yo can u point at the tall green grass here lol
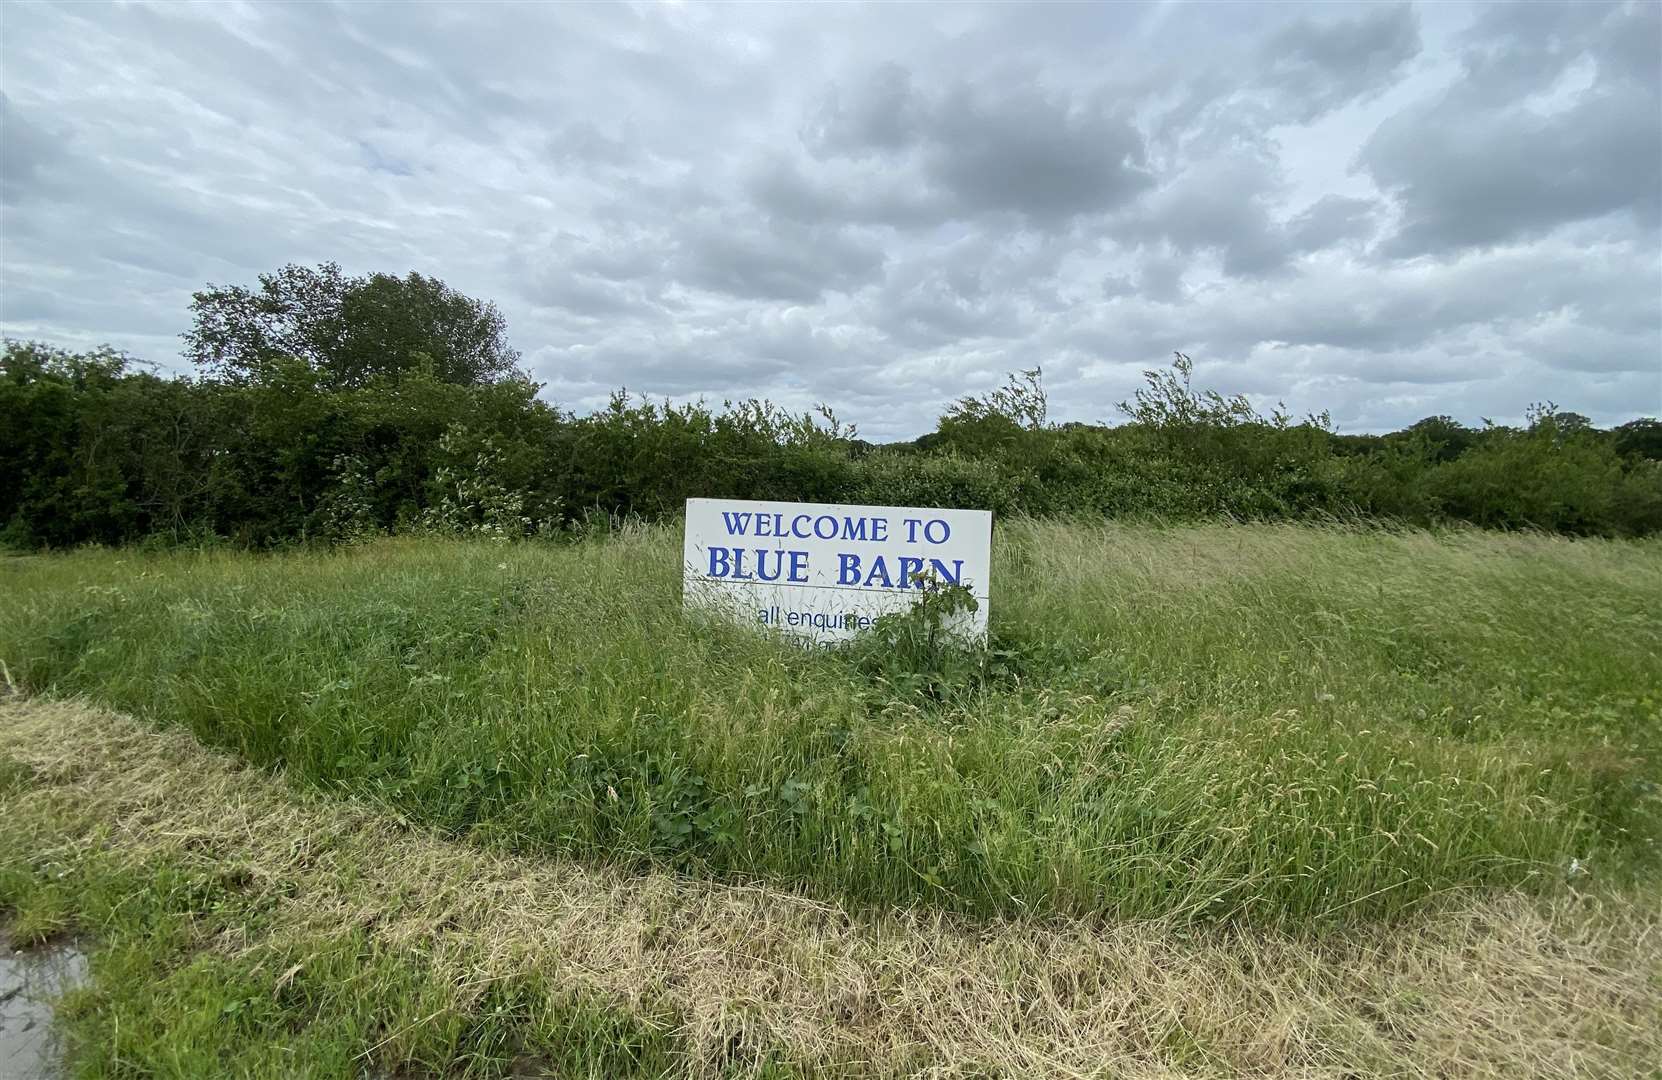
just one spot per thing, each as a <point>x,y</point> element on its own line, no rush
<point>1259,723</point>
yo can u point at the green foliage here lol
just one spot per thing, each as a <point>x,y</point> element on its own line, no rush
<point>346,510</point>
<point>96,450</point>
<point>1439,438</point>
<point>103,453</point>
<point>1552,475</point>
<point>891,477</point>
<point>471,494</point>
<point>998,420</point>
<point>1170,404</point>
<point>1640,438</point>
<point>348,330</point>
<point>92,449</point>
<point>644,458</point>
<point>925,652</point>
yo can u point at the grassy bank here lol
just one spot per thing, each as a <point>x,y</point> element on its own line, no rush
<point>240,927</point>
<point>1255,724</point>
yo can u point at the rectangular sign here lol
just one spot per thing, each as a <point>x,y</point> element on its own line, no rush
<point>826,571</point>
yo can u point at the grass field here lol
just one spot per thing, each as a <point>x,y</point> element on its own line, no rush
<point>244,928</point>
<point>1260,772</point>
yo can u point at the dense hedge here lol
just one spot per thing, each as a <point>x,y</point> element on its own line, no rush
<point>94,450</point>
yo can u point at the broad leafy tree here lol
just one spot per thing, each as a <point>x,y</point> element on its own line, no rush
<point>348,330</point>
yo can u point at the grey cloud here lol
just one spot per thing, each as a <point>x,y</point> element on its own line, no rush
<point>592,298</point>
<point>669,367</point>
<point>32,158</point>
<point>1364,312</point>
<point>943,306</point>
<point>623,263</point>
<point>1513,50</point>
<point>996,148</point>
<point>42,305</point>
<point>882,112</point>
<point>1160,276</point>
<point>1027,153</point>
<point>776,261</point>
<point>61,185</point>
<point>802,359</point>
<point>870,192</point>
<point>1460,323</point>
<point>1224,205</point>
<point>1331,220</point>
<point>1316,66</point>
<point>1505,154</point>
<point>1294,74</point>
<point>1217,204</point>
<point>580,143</point>
<point>883,208</point>
<point>637,256</point>
<point>380,161</point>
<point>1468,180</point>
<point>1115,285</point>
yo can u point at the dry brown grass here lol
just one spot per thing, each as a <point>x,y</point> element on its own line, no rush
<point>1491,987</point>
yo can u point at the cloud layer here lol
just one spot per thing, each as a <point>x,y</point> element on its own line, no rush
<point>1384,211</point>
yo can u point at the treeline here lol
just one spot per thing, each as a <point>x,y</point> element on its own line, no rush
<point>93,450</point>
<point>333,408</point>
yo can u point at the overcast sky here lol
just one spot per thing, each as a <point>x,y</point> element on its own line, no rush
<point>1384,211</point>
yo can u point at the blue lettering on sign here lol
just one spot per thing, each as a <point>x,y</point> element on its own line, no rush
<point>806,526</point>
<point>954,575</point>
<point>854,569</point>
<point>770,564</point>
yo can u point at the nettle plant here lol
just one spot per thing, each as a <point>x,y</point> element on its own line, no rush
<point>922,653</point>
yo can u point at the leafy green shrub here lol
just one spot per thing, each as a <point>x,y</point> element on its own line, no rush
<point>288,448</point>
<point>469,496</point>
<point>924,653</point>
<point>900,478</point>
<point>1548,477</point>
<point>346,512</point>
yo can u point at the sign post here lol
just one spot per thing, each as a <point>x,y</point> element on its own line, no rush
<point>825,572</point>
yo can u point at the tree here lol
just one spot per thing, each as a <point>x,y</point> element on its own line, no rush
<point>1641,438</point>
<point>1442,438</point>
<point>348,329</point>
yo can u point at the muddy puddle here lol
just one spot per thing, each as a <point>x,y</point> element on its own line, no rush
<point>30,980</point>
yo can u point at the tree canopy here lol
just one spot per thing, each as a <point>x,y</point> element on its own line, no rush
<point>348,329</point>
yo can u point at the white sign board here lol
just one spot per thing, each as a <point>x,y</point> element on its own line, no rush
<point>827,571</point>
